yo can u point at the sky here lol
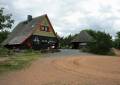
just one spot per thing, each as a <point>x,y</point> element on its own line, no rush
<point>69,16</point>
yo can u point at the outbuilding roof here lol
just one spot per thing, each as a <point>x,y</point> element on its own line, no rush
<point>83,36</point>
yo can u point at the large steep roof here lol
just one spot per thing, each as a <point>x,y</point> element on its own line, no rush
<point>22,31</point>
<point>83,36</point>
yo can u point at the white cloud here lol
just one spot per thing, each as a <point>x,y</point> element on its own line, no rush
<point>117,23</point>
<point>72,17</point>
<point>69,16</point>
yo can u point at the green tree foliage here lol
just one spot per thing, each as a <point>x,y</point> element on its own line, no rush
<point>3,35</point>
<point>5,24</point>
<point>102,42</point>
<point>65,42</point>
<point>5,20</point>
<point>117,41</point>
<point>91,32</point>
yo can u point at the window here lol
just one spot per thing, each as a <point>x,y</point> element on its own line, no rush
<point>83,44</point>
<point>36,39</point>
<point>33,25</point>
<point>44,28</point>
<point>44,41</point>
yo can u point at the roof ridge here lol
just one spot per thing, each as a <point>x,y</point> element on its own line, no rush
<point>22,29</point>
<point>83,36</point>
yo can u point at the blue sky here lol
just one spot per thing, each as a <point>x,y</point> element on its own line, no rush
<point>69,16</point>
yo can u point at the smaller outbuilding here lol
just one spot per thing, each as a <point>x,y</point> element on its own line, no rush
<point>81,40</point>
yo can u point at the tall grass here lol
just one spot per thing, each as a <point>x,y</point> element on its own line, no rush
<point>18,61</point>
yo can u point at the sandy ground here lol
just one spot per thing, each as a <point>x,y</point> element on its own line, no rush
<point>68,69</point>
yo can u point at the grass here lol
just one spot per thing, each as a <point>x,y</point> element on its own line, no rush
<point>18,61</point>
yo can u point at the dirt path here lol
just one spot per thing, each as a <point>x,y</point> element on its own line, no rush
<point>68,68</point>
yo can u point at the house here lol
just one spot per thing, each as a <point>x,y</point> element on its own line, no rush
<point>35,33</point>
<point>81,40</point>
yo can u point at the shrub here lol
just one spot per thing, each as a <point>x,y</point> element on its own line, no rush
<point>3,35</point>
<point>4,52</point>
<point>84,49</point>
<point>102,43</point>
<point>117,41</point>
<point>28,50</point>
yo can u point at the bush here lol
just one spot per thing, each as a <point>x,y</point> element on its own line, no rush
<point>117,41</point>
<point>3,35</point>
<point>28,50</point>
<point>84,49</point>
<point>4,52</point>
<point>102,43</point>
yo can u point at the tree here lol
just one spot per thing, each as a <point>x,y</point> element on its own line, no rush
<point>117,41</point>
<point>5,23</point>
<point>5,20</point>
<point>102,42</point>
<point>65,42</point>
<point>91,32</point>
<point>3,35</point>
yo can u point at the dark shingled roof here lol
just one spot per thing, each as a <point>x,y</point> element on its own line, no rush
<point>22,31</point>
<point>83,36</point>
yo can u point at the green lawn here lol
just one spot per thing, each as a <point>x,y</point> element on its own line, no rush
<point>18,61</point>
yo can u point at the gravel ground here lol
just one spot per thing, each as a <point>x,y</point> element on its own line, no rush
<point>68,67</point>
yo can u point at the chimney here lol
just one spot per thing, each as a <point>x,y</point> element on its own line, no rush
<point>29,18</point>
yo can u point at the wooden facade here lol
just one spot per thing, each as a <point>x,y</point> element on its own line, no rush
<point>37,34</point>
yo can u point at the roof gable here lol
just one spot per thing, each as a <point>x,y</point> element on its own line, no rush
<point>83,36</point>
<point>23,30</point>
<point>39,31</point>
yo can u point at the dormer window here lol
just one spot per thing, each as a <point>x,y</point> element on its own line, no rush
<point>45,28</point>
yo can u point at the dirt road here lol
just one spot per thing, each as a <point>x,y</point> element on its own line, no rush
<point>69,67</point>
